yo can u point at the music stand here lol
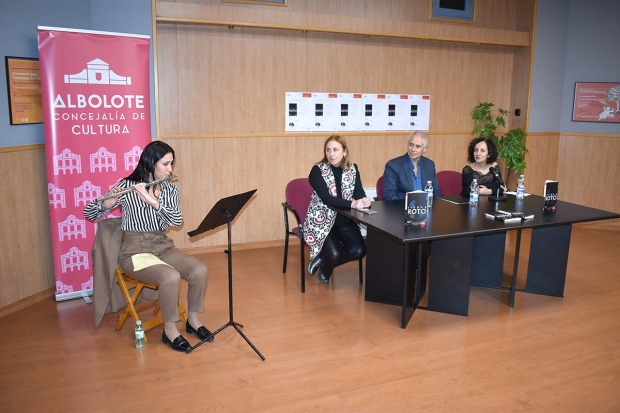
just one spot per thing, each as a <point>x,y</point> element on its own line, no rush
<point>223,212</point>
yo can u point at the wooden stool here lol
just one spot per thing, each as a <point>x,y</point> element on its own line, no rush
<point>126,283</point>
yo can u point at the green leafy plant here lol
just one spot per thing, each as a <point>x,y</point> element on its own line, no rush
<point>510,146</point>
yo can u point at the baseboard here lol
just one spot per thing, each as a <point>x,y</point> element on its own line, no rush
<point>240,247</point>
<point>27,302</point>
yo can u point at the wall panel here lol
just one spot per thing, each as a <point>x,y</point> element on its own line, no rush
<point>376,9</point>
<point>321,61</point>
<point>542,161</point>
<point>403,10</point>
<point>167,72</point>
<point>261,71</point>
<point>26,267</point>
<point>195,71</point>
<point>228,81</point>
<point>588,170</point>
<point>291,54</point>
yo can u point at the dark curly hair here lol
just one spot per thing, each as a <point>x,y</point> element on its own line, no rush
<point>490,147</point>
<point>151,154</point>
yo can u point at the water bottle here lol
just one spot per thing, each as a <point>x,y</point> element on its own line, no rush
<point>521,187</point>
<point>473,193</point>
<point>429,191</point>
<point>139,330</point>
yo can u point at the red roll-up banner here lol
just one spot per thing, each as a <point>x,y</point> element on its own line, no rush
<point>96,114</point>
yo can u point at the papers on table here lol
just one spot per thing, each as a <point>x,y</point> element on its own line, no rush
<point>514,193</point>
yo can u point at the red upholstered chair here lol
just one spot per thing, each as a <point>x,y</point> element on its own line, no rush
<point>449,182</point>
<point>379,196</point>
<point>298,194</point>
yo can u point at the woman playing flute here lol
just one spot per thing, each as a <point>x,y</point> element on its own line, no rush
<point>118,192</point>
<point>147,253</point>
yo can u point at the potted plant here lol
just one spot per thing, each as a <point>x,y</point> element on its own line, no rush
<point>510,146</point>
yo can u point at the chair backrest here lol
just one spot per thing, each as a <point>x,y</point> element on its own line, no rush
<point>298,193</point>
<point>449,182</point>
<point>380,187</point>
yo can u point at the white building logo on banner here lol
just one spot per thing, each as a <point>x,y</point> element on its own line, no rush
<point>67,161</point>
<point>98,72</point>
<point>72,227</point>
<point>56,196</point>
<point>102,161</point>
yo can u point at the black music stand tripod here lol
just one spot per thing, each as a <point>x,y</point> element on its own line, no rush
<point>223,212</point>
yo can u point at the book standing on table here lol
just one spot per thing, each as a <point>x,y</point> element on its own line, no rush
<point>551,195</point>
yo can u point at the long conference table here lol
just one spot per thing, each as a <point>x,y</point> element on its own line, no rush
<point>466,249</point>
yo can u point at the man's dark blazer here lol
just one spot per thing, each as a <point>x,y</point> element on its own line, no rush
<point>398,180</point>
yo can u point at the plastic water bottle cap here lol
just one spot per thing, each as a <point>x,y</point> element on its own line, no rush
<point>139,323</point>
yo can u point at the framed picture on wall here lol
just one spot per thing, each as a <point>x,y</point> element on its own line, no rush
<point>453,10</point>
<point>23,85</point>
<point>596,102</point>
<point>281,3</point>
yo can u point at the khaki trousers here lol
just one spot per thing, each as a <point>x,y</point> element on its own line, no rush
<point>168,278</point>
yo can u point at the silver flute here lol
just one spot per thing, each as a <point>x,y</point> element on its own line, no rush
<point>128,190</point>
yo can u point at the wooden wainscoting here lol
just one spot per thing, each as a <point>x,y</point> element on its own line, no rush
<point>26,267</point>
<point>585,165</point>
<point>542,160</point>
<point>588,171</point>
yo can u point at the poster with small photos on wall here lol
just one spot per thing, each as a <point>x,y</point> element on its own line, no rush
<point>350,112</point>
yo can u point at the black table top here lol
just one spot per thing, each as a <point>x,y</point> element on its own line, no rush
<point>449,220</point>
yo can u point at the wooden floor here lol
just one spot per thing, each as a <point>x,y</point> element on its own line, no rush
<point>330,351</point>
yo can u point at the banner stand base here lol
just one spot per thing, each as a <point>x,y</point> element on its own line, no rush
<point>76,294</point>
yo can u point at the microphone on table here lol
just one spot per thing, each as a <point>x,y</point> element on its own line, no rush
<point>498,177</point>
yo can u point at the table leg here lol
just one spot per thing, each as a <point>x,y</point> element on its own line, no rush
<point>546,273</point>
<point>385,263</point>
<point>515,269</point>
<point>414,280</point>
<point>488,260</point>
<point>450,275</point>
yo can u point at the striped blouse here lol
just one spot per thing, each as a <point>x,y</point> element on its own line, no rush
<point>138,216</point>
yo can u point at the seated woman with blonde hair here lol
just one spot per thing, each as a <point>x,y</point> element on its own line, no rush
<point>333,238</point>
